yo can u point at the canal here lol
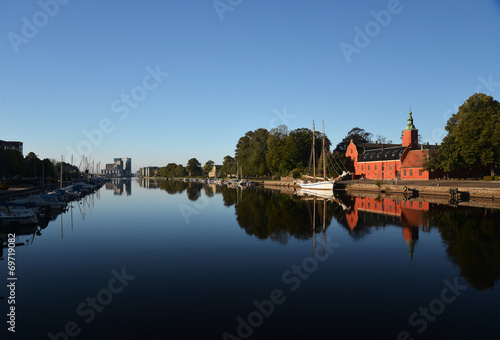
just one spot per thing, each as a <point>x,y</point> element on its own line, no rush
<point>157,260</point>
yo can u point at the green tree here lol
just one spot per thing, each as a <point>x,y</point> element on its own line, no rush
<point>170,169</point>
<point>208,167</point>
<point>299,148</point>
<point>242,152</point>
<point>193,167</point>
<point>228,166</point>
<point>251,153</point>
<point>276,142</point>
<point>180,171</point>
<point>473,138</point>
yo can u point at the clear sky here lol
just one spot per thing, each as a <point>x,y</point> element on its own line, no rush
<point>165,81</point>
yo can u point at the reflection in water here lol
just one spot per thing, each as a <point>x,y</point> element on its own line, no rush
<point>271,214</point>
<point>171,187</point>
<point>117,184</point>
<point>369,212</point>
<point>25,234</point>
<point>472,238</point>
<point>471,235</point>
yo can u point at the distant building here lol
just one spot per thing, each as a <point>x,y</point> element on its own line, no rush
<point>215,171</point>
<point>392,161</point>
<point>148,171</point>
<point>118,164</point>
<point>5,145</point>
<point>128,165</point>
<point>117,169</point>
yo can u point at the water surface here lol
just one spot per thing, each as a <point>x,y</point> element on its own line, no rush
<point>156,260</point>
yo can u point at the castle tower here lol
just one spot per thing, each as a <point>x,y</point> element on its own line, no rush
<point>410,133</point>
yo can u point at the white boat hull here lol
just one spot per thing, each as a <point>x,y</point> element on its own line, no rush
<point>323,185</point>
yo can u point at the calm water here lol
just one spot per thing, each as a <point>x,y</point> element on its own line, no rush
<point>176,261</point>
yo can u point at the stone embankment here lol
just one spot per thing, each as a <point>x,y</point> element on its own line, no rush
<point>471,189</point>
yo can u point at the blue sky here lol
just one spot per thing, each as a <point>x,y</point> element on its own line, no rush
<point>165,81</point>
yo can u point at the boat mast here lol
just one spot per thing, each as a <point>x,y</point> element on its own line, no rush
<point>323,151</point>
<point>314,156</point>
<point>61,185</point>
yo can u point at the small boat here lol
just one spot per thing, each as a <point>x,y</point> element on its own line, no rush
<point>43,200</point>
<point>17,214</point>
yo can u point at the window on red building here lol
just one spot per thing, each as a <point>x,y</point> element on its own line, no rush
<point>404,172</point>
<point>411,172</point>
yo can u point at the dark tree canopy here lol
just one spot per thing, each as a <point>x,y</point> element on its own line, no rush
<point>358,136</point>
<point>193,167</point>
<point>228,166</point>
<point>473,139</point>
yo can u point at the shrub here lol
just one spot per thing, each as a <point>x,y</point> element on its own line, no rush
<point>378,183</point>
<point>296,174</point>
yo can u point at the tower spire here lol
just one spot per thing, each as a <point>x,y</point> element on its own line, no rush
<point>409,125</point>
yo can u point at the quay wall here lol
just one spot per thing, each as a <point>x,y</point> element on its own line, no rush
<point>429,190</point>
<point>280,184</point>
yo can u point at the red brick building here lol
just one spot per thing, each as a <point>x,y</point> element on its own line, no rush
<point>391,161</point>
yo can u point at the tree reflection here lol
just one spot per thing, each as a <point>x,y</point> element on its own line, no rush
<point>271,214</point>
<point>194,191</point>
<point>173,187</point>
<point>472,238</point>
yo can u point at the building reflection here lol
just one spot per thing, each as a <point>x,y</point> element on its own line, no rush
<point>412,215</point>
<point>149,183</point>
<point>120,186</point>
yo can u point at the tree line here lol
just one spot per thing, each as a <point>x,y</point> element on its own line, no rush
<point>472,142</point>
<point>277,152</point>
<point>14,166</point>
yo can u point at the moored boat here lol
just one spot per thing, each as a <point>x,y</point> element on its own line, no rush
<point>319,183</point>
<point>17,214</point>
<point>43,200</point>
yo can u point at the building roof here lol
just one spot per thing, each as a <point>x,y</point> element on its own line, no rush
<point>415,159</point>
<point>382,154</point>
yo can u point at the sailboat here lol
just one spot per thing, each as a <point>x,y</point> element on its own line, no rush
<point>319,183</point>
